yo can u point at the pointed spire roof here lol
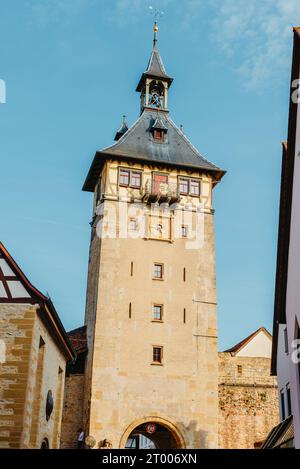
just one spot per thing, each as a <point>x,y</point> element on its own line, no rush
<point>156,68</point>
<point>122,130</point>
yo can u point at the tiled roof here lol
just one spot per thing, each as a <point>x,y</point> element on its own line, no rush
<point>237,347</point>
<point>280,436</point>
<point>16,288</point>
<point>78,339</point>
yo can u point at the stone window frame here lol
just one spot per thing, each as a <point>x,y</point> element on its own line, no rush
<point>155,307</point>
<point>157,357</point>
<point>162,275</point>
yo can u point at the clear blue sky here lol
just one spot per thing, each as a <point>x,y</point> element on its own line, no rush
<point>71,67</point>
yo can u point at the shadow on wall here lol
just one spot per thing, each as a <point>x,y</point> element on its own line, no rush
<point>195,438</point>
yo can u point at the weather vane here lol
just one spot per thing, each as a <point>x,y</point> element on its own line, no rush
<point>156,13</point>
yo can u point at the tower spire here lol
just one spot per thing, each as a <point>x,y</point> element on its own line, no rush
<point>155,82</point>
<point>155,29</point>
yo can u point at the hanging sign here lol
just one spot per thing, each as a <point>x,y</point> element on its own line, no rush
<point>150,428</point>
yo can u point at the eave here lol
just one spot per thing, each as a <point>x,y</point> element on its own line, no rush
<point>101,157</point>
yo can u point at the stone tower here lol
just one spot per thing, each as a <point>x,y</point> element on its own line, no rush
<point>152,367</point>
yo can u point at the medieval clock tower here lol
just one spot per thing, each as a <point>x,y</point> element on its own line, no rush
<point>152,369</point>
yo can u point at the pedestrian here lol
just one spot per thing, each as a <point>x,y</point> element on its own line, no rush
<point>80,438</point>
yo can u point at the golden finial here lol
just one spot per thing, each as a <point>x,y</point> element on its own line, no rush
<point>156,13</point>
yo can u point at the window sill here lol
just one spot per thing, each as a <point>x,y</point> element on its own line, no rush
<point>157,320</point>
<point>158,279</point>
<point>156,364</point>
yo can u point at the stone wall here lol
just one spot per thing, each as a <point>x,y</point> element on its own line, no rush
<point>248,401</point>
<point>16,329</point>
<point>33,365</point>
<point>73,411</point>
<point>123,383</point>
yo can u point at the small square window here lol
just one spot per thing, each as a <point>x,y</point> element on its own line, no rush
<point>157,313</point>
<point>132,224</point>
<point>124,177</point>
<point>136,179</point>
<point>157,355</point>
<point>184,231</point>
<point>183,186</point>
<point>158,271</point>
<point>195,187</point>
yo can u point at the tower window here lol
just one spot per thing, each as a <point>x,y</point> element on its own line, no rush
<point>157,313</point>
<point>130,311</point>
<point>184,274</point>
<point>131,269</point>
<point>195,187</point>
<point>183,186</point>
<point>130,178</point>
<point>124,177</point>
<point>184,316</point>
<point>158,271</point>
<point>189,186</point>
<point>157,355</point>
<point>240,369</point>
<point>136,179</point>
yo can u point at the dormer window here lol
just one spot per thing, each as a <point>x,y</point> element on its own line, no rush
<point>158,135</point>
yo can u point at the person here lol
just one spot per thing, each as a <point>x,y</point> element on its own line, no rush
<point>80,438</point>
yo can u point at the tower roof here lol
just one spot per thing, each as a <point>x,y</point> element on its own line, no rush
<point>156,68</point>
<point>137,144</point>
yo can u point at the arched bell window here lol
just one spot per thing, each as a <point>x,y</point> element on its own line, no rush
<point>156,95</point>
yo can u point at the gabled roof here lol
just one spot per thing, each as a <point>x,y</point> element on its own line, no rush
<point>15,288</point>
<point>139,145</point>
<point>14,285</point>
<point>240,345</point>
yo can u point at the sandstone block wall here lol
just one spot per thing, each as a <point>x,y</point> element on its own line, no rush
<point>248,401</point>
<point>73,411</point>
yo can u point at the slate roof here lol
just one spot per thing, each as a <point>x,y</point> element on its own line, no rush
<point>138,144</point>
<point>155,69</point>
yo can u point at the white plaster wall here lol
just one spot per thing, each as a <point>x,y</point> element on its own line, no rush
<point>293,290</point>
<point>259,346</point>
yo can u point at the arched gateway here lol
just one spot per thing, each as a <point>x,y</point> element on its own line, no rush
<point>152,433</point>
